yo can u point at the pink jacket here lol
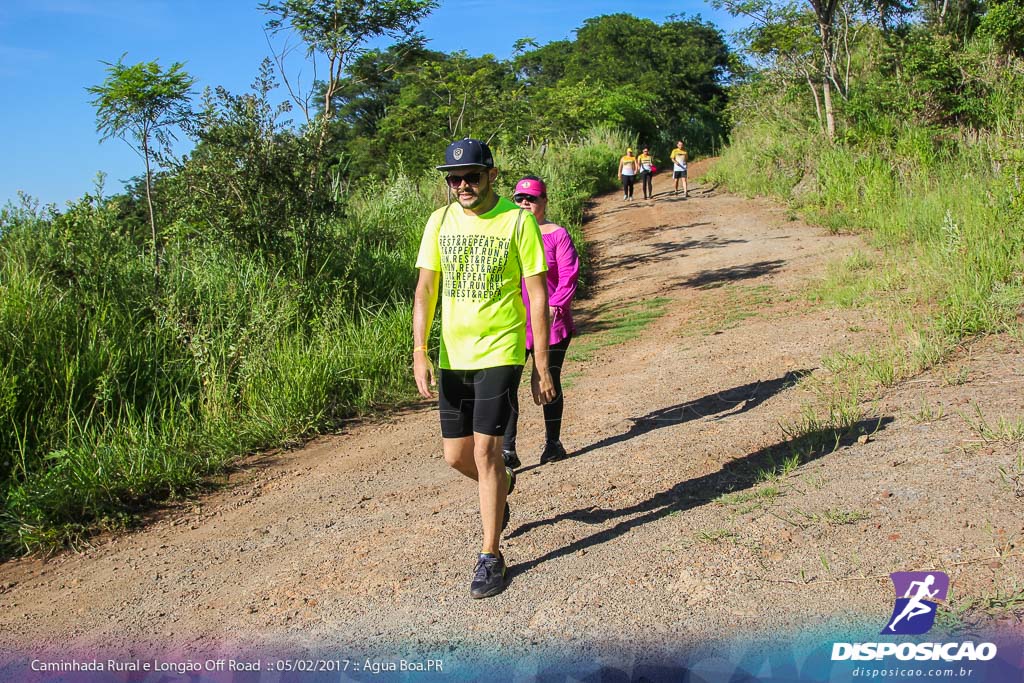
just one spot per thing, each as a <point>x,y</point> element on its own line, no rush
<point>563,271</point>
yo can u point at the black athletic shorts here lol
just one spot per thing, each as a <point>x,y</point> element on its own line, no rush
<point>678,174</point>
<point>477,400</point>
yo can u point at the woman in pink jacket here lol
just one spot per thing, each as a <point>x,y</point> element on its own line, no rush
<point>563,270</point>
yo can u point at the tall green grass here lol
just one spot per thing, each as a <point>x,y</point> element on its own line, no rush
<point>948,215</point>
<point>116,392</point>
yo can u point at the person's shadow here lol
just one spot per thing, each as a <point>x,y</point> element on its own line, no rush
<point>735,475</point>
<point>721,404</point>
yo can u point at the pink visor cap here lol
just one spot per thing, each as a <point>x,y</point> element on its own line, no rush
<point>534,188</point>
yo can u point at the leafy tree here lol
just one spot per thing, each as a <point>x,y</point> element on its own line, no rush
<point>244,182</point>
<point>1004,22</point>
<point>662,81</point>
<point>141,104</point>
<point>544,66</point>
<point>825,15</point>
<point>337,31</point>
<point>785,30</point>
<point>364,99</point>
<point>782,38</point>
<point>450,98</point>
<point>693,63</point>
<point>957,18</point>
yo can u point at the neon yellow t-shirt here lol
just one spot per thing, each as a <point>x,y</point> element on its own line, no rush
<point>482,260</point>
<point>678,157</point>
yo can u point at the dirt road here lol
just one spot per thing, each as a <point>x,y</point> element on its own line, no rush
<point>663,528</point>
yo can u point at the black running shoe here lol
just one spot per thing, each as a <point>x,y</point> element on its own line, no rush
<point>489,577</point>
<point>511,459</point>
<point>553,452</point>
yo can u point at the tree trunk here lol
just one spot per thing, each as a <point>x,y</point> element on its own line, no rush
<point>828,60</point>
<point>817,100</point>
<point>152,217</point>
<point>830,118</point>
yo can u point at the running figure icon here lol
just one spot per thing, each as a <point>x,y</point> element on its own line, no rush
<point>916,603</point>
<point>916,606</point>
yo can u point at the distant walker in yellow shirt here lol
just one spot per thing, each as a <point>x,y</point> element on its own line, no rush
<point>646,163</point>
<point>627,173</point>
<point>678,157</point>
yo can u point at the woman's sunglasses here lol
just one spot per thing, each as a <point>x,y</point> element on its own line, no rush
<point>520,198</point>
<point>472,178</point>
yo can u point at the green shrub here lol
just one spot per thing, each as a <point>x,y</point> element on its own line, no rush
<point>118,390</point>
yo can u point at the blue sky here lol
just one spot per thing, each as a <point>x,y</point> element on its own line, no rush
<point>51,50</point>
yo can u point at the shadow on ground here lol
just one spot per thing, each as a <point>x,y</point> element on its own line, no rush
<point>721,404</point>
<point>709,279</point>
<point>741,473</point>
<point>646,233</point>
<point>661,251</point>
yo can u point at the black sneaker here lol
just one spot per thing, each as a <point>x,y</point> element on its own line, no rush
<point>489,577</point>
<point>553,452</point>
<point>511,459</point>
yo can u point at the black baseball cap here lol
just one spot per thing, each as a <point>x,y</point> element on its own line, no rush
<point>467,152</point>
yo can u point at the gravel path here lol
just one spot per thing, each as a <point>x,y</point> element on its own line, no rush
<point>658,532</point>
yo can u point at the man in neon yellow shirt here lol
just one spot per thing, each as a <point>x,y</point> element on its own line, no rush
<point>480,250</point>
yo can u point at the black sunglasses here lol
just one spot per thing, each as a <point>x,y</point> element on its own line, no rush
<point>520,198</point>
<point>472,178</point>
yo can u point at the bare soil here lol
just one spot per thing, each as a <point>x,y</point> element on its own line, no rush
<point>656,531</point>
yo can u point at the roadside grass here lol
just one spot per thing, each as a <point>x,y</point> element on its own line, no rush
<point>712,536</point>
<point>116,395</point>
<point>744,502</point>
<point>836,415</point>
<point>943,260</point>
<point>569,379</point>
<point>823,423</point>
<point>855,281</point>
<point>955,377</point>
<point>971,612</point>
<point>927,412</point>
<point>1012,475</point>
<point>616,326</point>
<point>736,303</point>
<point>837,517</point>
<point>1002,430</point>
<point>945,235</point>
<point>803,519</point>
<point>890,287</point>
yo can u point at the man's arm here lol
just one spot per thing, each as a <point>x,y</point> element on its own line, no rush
<point>423,308</point>
<point>541,383</point>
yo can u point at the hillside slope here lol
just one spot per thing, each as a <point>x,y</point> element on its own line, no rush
<point>663,528</point>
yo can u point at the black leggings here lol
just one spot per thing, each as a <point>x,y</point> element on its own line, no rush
<point>627,185</point>
<point>647,183</point>
<point>553,410</point>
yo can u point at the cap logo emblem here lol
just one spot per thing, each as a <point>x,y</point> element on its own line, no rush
<point>526,184</point>
<point>457,153</point>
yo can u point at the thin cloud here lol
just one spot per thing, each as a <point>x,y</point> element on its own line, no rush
<point>139,13</point>
<point>17,60</point>
<point>76,8</point>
